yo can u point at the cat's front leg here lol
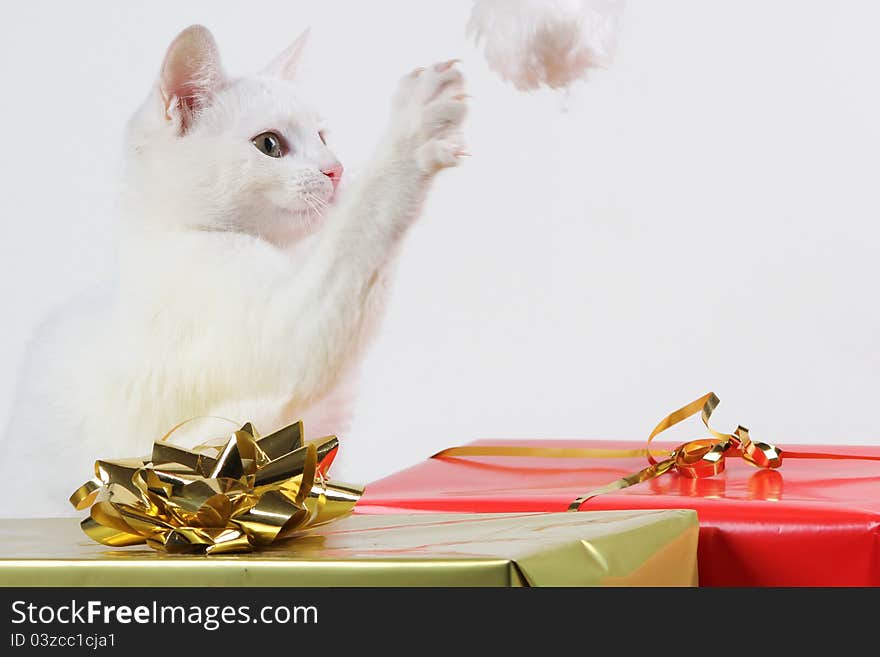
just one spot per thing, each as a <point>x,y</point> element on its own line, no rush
<point>342,283</point>
<point>423,137</point>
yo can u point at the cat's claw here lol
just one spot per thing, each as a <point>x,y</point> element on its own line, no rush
<point>443,66</point>
<point>430,106</point>
<point>439,154</point>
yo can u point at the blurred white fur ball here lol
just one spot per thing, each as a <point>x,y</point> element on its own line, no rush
<point>553,43</point>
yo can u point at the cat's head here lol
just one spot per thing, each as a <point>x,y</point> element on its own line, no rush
<point>214,152</point>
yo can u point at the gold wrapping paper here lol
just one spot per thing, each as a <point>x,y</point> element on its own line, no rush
<point>603,548</point>
<point>226,496</point>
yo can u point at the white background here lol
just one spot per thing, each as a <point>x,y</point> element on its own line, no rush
<point>702,215</point>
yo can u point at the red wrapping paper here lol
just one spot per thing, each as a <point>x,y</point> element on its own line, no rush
<point>812,522</point>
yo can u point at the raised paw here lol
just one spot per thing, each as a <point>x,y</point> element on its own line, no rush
<point>429,108</point>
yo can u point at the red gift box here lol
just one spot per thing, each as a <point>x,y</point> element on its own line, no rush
<point>811,522</point>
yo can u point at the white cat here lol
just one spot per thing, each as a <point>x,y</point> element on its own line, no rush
<point>243,291</point>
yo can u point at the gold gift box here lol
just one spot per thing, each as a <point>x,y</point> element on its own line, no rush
<point>604,548</point>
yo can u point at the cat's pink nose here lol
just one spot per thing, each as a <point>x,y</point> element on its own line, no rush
<point>334,173</point>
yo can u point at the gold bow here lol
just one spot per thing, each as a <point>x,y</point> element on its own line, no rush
<point>696,459</point>
<point>233,496</point>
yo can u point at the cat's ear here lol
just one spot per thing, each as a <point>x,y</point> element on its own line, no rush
<point>191,74</point>
<point>285,65</point>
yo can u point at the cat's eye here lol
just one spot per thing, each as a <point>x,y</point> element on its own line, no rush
<point>322,135</point>
<point>268,143</point>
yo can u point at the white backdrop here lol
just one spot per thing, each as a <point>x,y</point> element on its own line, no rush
<point>702,215</point>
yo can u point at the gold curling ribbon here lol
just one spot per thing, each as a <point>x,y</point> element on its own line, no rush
<point>232,496</point>
<point>703,457</point>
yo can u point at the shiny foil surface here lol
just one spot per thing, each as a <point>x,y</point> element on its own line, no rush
<point>653,548</point>
<point>770,515</point>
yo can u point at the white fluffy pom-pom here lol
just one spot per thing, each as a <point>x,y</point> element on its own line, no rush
<point>553,43</point>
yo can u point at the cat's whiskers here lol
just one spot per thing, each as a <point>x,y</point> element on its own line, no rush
<point>320,202</point>
<point>316,204</point>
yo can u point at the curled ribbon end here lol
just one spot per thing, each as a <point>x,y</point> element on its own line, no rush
<point>697,459</point>
<point>83,497</point>
<point>762,455</point>
<point>700,458</point>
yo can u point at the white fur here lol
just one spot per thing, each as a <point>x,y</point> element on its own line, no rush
<point>238,295</point>
<point>553,43</point>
